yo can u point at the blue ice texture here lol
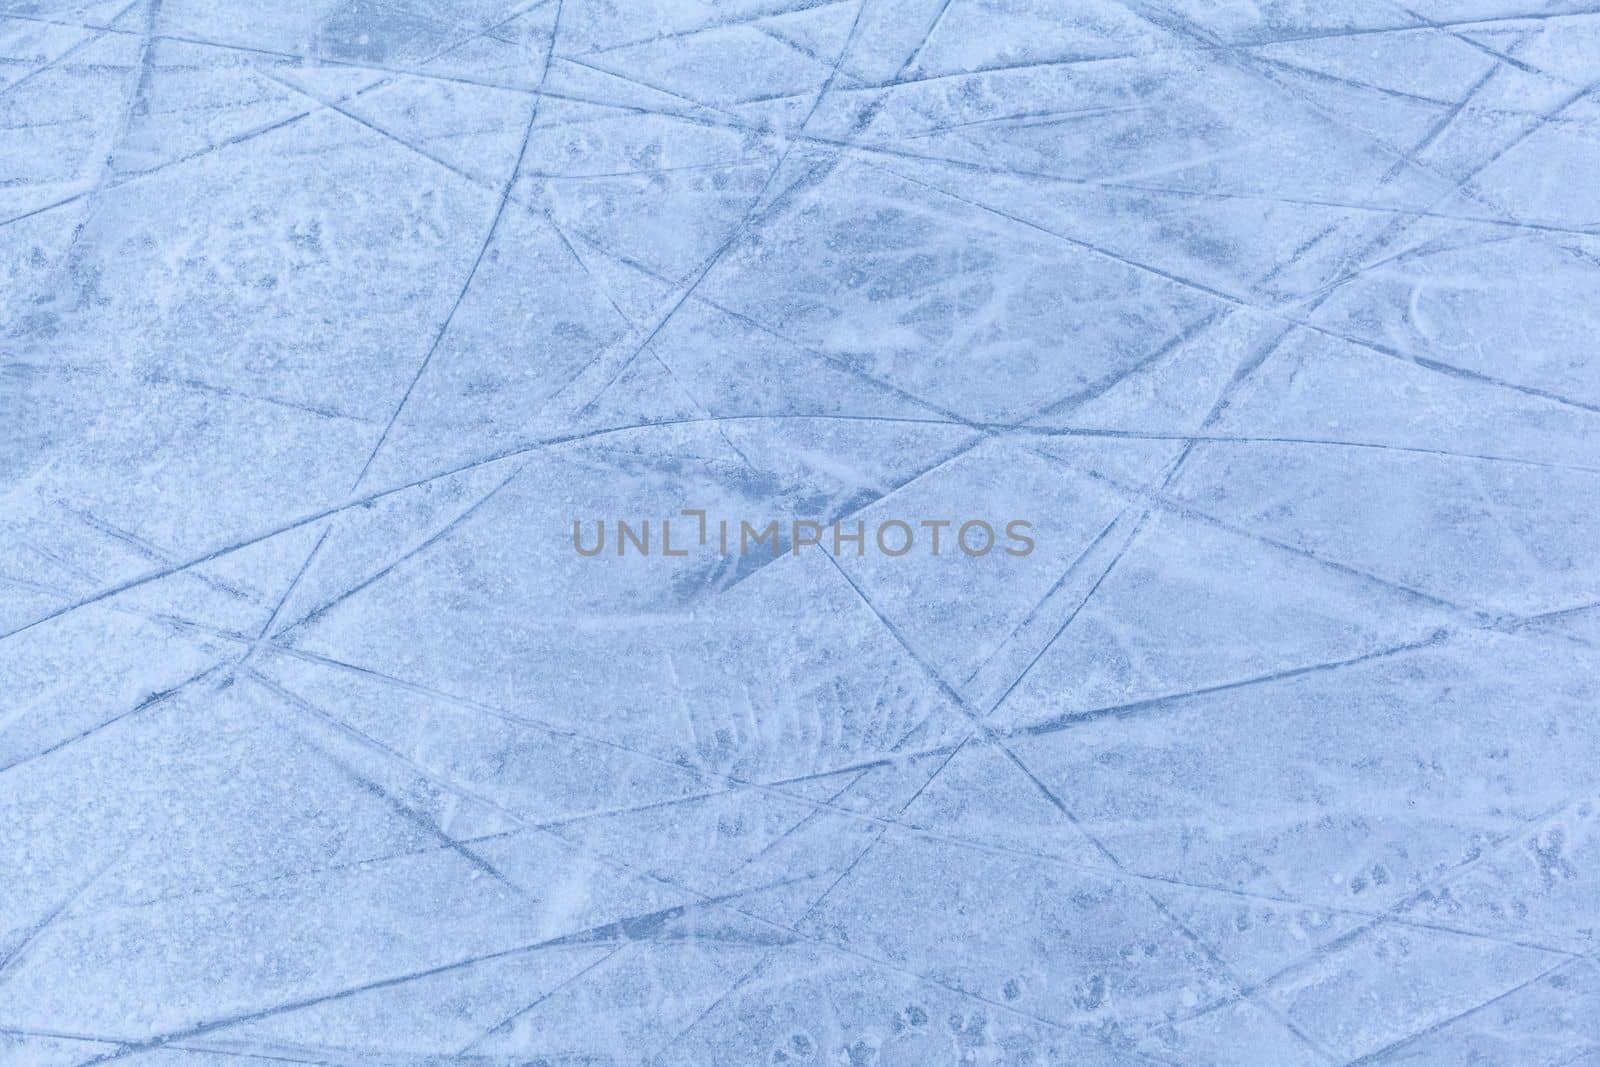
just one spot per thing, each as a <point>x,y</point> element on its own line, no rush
<point>1275,325</point>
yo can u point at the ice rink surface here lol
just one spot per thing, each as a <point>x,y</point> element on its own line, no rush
<point>322,322</point>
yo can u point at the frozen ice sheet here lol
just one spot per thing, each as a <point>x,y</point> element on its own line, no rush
<point>322,321</point>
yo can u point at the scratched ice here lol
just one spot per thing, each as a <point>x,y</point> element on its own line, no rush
<point>321,322</point>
